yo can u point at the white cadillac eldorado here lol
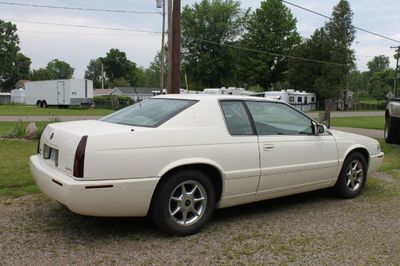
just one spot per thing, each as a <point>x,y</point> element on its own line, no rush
<point>176,158</point>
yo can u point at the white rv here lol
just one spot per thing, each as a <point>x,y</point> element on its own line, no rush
<point>63,92</point>
<point>227,91</point>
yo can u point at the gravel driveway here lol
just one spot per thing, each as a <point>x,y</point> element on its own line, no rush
<point>308,229</point>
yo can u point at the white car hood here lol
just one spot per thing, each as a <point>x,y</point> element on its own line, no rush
<point>350,136</point>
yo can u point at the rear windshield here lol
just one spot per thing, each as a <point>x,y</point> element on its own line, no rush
<point>149,113</point>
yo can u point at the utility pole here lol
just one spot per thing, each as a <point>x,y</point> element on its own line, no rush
<point>174,50</point>
<point>397,69</point>
<point>102,76</point>
<point>162,48</point>
<point>169,58</point>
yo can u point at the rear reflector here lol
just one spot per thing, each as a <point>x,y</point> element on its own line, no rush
<point>101,186</point>
<point>58,183</point>
<point>79,162</point>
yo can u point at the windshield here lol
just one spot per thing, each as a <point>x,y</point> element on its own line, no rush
<point>149,113</point>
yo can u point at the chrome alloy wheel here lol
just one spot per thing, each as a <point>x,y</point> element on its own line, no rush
<point>187,202</point>
<point>354,175</point>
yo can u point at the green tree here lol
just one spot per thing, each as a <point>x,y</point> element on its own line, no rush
<point>13,64</point>
<point>117,66</point>
<point>341,34</point>
<point>60,69</point>
<point>379,63</point>
<point>207,28</point>
<point>93,72</point>
<point>358,82</point>
<point>55,69</point>
<point>380,84</point>
<point>41,74</point>
<point>330,44</point>
<point>303,74</point>
<point>270,28</point>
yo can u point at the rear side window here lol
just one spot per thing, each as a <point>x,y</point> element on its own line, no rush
<point>149,113</point>
<point>236,118</point>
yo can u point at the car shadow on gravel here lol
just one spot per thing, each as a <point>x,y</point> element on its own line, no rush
<point>297,201</point>
<point>79,226</point>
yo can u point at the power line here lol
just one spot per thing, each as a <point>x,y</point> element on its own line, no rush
<point>78,8</point>
<point>325,16</point>
<point>83,33</point>
<point>187,37</point>
<point>266,52</point>
<point>83,26</point>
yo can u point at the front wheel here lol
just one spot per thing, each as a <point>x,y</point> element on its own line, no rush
<point>389,132</point>
<point>352,177</point>
<point>183,203</point>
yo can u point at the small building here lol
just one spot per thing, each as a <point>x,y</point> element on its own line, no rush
<point>5,98</point>
<point>18,96</point>
<point>102,92</point>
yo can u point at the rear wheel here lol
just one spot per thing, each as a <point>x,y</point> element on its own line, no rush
<point>183,203</point>
<point>39,104</point>
<point>390,133</point>
<point>353,176</point>
<point>44,104</point>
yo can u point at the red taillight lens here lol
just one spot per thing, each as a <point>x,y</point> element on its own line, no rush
<point>79,161</point>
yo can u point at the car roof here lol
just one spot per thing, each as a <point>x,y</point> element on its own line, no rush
<point>213,97</point>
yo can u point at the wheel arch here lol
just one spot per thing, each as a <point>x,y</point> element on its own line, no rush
<point>361,149</point>
<point>211,169</point>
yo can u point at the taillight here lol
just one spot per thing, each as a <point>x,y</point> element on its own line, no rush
<point>38,144</point>
<point>79,161</point>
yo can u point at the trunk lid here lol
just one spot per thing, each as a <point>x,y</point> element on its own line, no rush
<point>59,141</point>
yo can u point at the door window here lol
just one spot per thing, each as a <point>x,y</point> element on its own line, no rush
<point>236,118</point>
<point>278,119</point>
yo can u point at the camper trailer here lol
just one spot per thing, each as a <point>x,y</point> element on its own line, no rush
<point>63,93</point>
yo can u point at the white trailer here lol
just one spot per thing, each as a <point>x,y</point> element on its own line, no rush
<point>63,92</point>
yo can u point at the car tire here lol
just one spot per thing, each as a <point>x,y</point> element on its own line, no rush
<point>44,104</point>
<point>352,177</point>
<point>389,132</point>
<point>183,202</point>
<point>39,104</point>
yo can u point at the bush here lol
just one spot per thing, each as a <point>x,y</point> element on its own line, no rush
<point>18,131</point>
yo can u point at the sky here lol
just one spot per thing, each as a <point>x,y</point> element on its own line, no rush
<point>77,46</point>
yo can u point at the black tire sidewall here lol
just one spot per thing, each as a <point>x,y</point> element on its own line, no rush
<point>341,188</point>
<point>160,204</point>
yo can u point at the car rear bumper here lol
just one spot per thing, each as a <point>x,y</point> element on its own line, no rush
<point>375,162</point>
<point>122,197</point>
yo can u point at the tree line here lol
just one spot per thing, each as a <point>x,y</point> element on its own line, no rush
<point>225,45</point>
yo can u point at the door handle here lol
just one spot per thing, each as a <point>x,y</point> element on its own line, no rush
<point>268,147</point>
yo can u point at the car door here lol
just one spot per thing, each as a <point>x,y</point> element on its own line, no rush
<point>243,175</point>
<point>291,155</point>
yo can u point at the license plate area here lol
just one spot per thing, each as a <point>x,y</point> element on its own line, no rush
<point>50,154</point>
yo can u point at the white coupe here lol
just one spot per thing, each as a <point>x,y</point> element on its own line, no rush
<point>176,158</point>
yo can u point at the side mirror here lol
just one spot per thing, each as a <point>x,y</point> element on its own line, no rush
<point>319,129</point>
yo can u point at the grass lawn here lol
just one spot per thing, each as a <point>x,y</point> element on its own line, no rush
<point>24,110</point>
<point>370,122</point>
<point>369,100</point>
<point>15,176</point>
<point>6,127</point>
<point>16,180</point>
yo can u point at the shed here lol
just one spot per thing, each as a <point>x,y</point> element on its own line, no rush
<point>18,96</point>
